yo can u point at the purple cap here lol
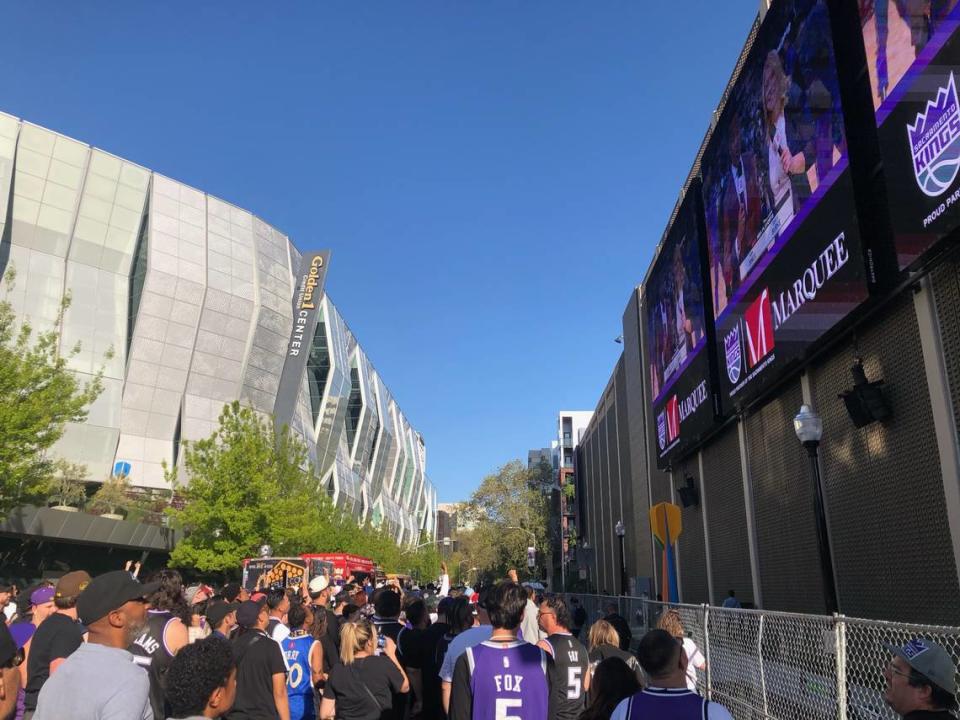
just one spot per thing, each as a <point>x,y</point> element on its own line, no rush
<point>42,595</point>
<point>22,632</point>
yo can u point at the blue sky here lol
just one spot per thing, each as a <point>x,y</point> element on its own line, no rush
<point>492,177</point>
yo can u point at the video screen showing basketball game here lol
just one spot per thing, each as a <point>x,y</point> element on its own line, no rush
<point>779,145</point>
<point>913,57</point>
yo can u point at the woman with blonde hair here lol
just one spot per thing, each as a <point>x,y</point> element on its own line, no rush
<point>603,642</point>
<point>673,624</point>
<point>784,168</point>
<point>363,686</point>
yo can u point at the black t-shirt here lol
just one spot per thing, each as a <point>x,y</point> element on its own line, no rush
<point>607,651</point>
<point>410,648</point>
<point>258,659</point>
<point>364,689</point>
<point>388,626</point>
<point>434,646</point>
<point>57,637</point>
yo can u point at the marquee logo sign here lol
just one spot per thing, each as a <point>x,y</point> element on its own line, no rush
<point>758,321</point>
<point>734,353</point>
<point>935,142</point>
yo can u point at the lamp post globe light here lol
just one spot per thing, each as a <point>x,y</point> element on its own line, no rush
<point>809,428</point>
<point>620,530</point>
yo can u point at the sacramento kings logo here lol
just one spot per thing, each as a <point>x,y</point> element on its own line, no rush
<point>935,142</point>
<point>734,353</point>
<point>662,430</point>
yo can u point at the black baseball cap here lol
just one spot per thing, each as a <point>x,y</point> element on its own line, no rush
<point>109,591</point>
<point>217,611</point>
<point>249,611</point>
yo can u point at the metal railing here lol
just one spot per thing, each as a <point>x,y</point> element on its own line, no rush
<point>781,665</point>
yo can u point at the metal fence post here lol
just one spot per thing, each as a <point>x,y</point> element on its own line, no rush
<point>840,631</point>
<point>706,644</point>
<point>763,674</point>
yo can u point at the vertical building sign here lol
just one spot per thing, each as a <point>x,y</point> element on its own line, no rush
<point>306,307</point>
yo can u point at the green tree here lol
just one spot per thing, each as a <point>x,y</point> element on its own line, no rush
<point>67,487</point>
<point>39,395</point>
<point>248,485</point>
<point>510,512</point>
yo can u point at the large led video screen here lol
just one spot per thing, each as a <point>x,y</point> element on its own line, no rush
<point>677,316</point>
<point>785,258</point>
<point>913,57</point>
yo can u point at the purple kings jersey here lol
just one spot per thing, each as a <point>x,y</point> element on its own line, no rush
<point>508,681</point>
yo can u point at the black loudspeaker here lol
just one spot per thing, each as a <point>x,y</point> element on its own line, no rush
<point>865,401</point>
<point>689,495</point>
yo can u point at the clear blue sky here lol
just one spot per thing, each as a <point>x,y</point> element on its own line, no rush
<point>491,176</point>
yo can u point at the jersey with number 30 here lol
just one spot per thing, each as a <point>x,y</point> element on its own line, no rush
<point>296,653</point>
<point>567,672</point>
<point>508,681</point>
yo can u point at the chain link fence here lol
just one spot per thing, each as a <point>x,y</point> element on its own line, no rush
<point>765,665</point>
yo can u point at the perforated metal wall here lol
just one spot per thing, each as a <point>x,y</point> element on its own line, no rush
<point>727,517</point>
<point>883,482</point>
<point>783,500</point>
<point>692,552</point>
<point>946,290</point>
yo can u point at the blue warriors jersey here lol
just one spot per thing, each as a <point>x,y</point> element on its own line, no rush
<point>508,681</point>
<point>296,653</point>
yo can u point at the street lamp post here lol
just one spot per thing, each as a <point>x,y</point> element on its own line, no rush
<point>621,531</point>
<point>809,428</point>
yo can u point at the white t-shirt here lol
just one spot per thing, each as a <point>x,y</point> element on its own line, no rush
<point>280,632</point>
<point>444,585</point>
<point>459,645</point>
<point>714,711</point>
<point>695,661</point>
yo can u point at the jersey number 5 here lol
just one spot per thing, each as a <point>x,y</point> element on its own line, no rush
<point>504,705</point>
<point>573,683</point>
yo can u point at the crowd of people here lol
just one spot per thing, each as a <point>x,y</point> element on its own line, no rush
<point>111,647</point>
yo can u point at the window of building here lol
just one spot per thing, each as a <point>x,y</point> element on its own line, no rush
<point>318,368</point>
<point>138,275</point>
<point>354,407</point>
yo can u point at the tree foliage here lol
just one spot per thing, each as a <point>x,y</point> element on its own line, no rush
<point>509,512</point>
<point>39,395</point>
<point>247,485</point>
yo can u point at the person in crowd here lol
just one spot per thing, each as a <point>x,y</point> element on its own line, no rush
<point>570,670</point>
<point>279,604</point>
<point>198,629</point>
<point>234,593</point>
<point>319,590</point>
<point>435,641</point>
<point>41,604</point>
<point>202,680</point>
<point>619,623</point>
<point>411,651</point>
<point>261,671</point>
<point>444,580</point>
<point>578,616</point>
<point>362,686</point>
<point>57,638</point>
<point>386,618</point>
<point>222,618</point>
<point>921,681</point>
<point>529,629</point>
<point>613,680</point>
<point>320,662</point>
<point>673,624</point>
<point>165,633</point>
<point>7,604</point>
<point>731,600</point>
<point>603,642</point>
<point>298,654</point>
<point>100,678</point>
<point>22,635</point>
<point>11,656</point>
<point>502,671</point>
<point>663,659</point>
<point>471,632</point>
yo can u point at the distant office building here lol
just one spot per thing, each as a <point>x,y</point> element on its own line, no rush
<point>186,302</point>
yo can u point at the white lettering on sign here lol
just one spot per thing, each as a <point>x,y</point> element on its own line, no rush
<point>693,401</point>
<point>804,288</point>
